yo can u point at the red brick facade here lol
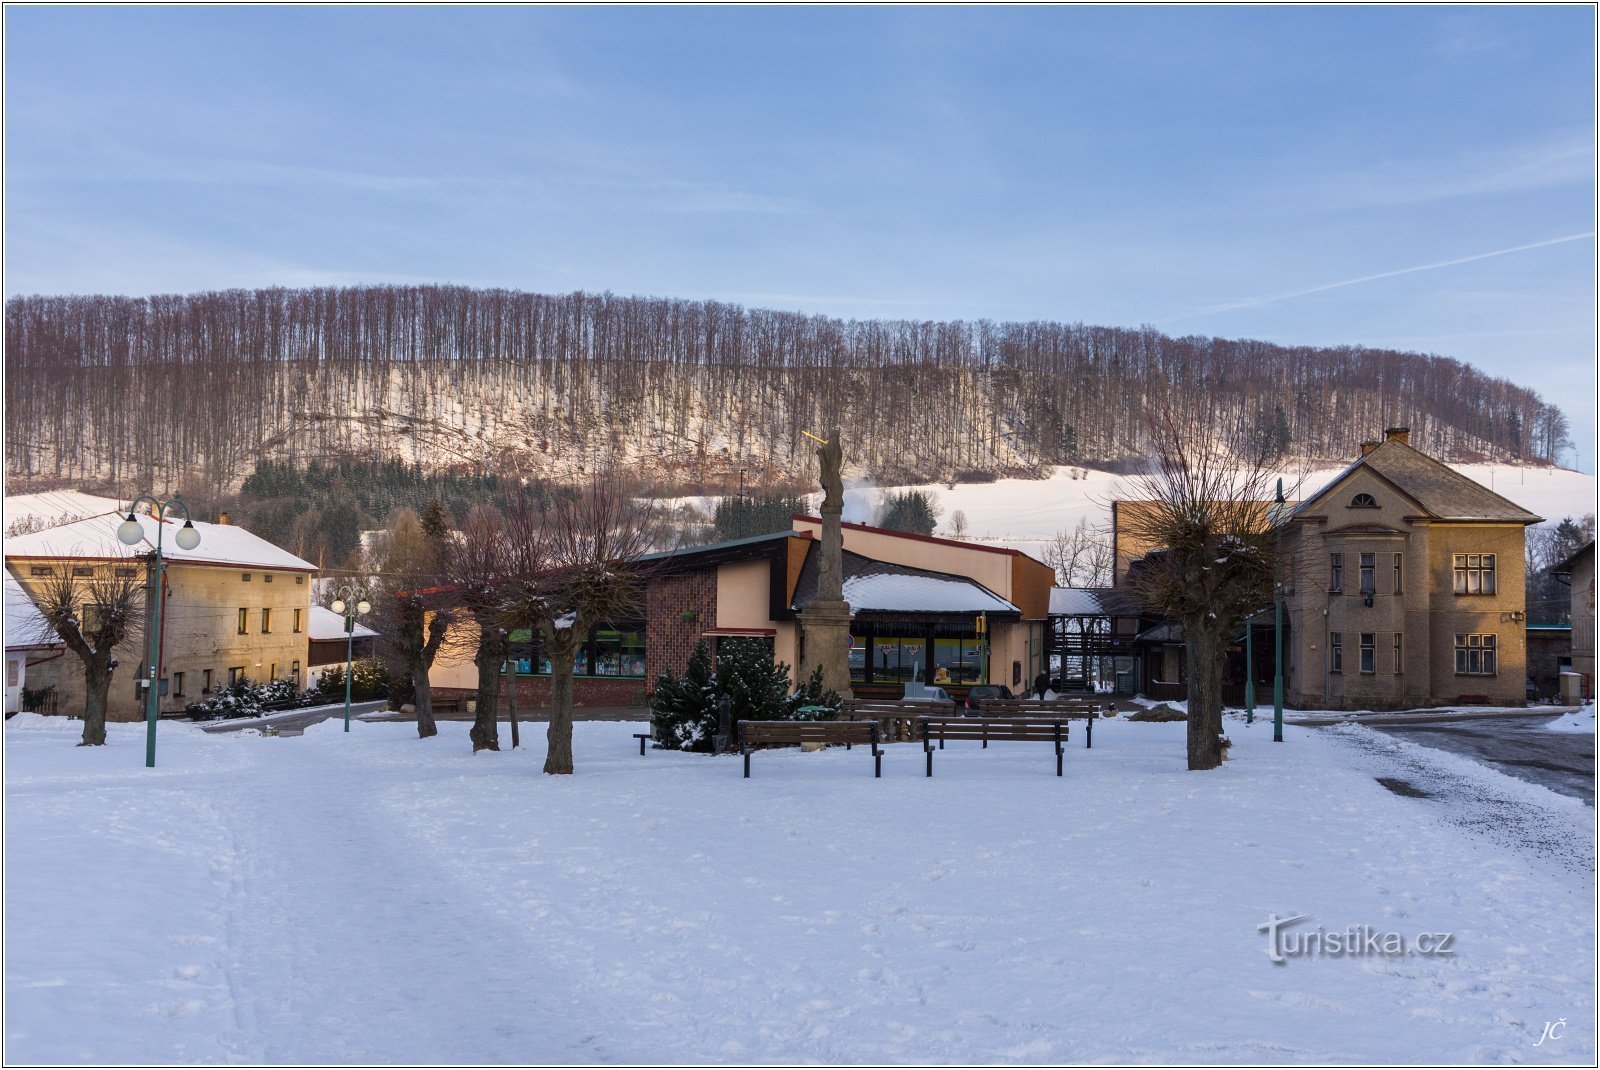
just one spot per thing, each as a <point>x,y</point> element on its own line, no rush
<point>533,692</point>
<point>669,638</point>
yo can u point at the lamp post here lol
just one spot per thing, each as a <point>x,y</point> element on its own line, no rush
<point>1277,638</point>
<point>130,532</point>
<point>350,601</point>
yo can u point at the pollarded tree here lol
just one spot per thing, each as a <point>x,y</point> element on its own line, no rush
<point>1207,502</point>
<point>476,567</point>
<point>93,609</point>
<point>414,613</point>
<point>580,569</point>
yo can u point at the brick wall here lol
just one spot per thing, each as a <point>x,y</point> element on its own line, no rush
<point>669,639</point>
<point>533,692</point>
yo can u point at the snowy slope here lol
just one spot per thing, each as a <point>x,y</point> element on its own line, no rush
<point>375,897</point>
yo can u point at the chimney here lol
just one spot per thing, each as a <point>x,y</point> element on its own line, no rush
<point>224,518</point>
<point>1368,447</point>
<point>1397,434</point>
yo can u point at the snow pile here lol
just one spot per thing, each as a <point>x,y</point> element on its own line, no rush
<point>373,897</point>
<point>1577,721</point>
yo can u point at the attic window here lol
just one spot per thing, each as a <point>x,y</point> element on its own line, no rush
<point>83,570</point>
<point>126,572</point>
<point>1363,501</point>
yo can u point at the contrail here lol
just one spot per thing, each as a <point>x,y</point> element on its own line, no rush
<point>1252,302</point>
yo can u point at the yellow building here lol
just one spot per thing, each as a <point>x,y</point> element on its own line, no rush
<point>235,606</point>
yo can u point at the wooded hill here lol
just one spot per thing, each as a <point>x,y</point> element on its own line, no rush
<point>191,391</point>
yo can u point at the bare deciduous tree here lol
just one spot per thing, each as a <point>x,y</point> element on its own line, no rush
<point>1207,503</point>
<point>586,548</point>
<point>1082,556</point>
<point>93,609</point>
<point>413,614</point>
<point>477,567</point>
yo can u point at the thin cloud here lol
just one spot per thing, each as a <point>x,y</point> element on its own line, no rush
<point>1256,302</point>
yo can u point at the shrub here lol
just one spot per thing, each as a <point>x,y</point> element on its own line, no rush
<point>369,680</point>
<point>683,709</point>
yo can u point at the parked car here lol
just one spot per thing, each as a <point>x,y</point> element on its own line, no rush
<point>971,706</point>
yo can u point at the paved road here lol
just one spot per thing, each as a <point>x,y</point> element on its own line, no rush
<point>1561,761</point>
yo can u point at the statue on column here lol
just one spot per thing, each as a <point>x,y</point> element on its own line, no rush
<point>825,623</point>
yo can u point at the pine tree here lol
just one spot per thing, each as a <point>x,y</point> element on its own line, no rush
<point>914,511</point>
<point>683,709</point>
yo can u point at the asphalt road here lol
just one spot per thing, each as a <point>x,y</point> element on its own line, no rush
<point>1519,746</point>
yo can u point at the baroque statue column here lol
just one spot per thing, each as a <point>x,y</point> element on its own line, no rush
<point>825,623</point>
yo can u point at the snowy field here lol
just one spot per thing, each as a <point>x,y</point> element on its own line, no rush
<point>375,897</point>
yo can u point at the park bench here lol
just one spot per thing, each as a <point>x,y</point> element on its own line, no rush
<point>998,729</point>
<point>644,738</point>
<point>897,721</point>
<point>1050,709</point>
<point>1472,700</point>
<point>793,733</point>
<point>448,705</point>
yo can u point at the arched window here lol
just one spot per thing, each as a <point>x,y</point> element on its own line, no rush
<point>1363,501</point>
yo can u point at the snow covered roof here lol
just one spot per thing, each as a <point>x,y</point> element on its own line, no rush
<point>1441,491</point>
<point>96,539</point>
<point>883,587</point>
<point>24,624</point>
<point>326,624</point>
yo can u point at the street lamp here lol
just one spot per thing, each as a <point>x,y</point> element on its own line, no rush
<point>350,601</point>
<point>130,531</point>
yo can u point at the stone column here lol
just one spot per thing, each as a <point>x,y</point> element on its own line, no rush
<point>825,623</point>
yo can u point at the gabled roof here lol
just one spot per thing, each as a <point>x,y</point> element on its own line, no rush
<point>95,539</point>
<point>1567,564</point>
<point>874,586</point>
<point>1440,491</point>
<point>914,537</point>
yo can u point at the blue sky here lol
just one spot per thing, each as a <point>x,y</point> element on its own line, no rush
<point>1213,171</point>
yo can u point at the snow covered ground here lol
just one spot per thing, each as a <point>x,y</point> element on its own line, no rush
<point>375,897</point>
<point>1578,721</point>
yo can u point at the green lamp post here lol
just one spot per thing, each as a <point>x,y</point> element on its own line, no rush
<point>130,531</point>
<point>1277,637</point>
<point>349,601</point>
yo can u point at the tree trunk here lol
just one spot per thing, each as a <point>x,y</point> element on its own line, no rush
<point>558,755</point>
<point>511,705</point>
<point>1205,647</point>
<point>97,688</point>
<point>490,660</point>
<point>422,698</point>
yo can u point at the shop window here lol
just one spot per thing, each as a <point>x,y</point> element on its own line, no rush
<point>616,653</point>
<point>957,661</point>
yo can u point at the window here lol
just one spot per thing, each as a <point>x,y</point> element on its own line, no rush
<point>1475,655</point>
<point>1369,655</point>
<point>1369,573</point>
<point>1363,501</point>
<point>298,620</point>
<point>294,671</point>
<point>83,570</point>
<point>957,661</point>
<point>1336,652</point>
<point>244,621</point>
<point>235,674</point>
<point>43,570</point>
<point>1336,572</point>
<point>1399,655</point>
<point>266,577</point>
<point>266,622</point>
<point>205,680</point>
<point>617,653</point>
<point>299,579</point>
<point>1398,558</point>
<point>93,615</point>
<point>1474,573</point>
<point>274,674</point>
<point>125,573</point>
<point>177,685</point>
<point>245,577</point>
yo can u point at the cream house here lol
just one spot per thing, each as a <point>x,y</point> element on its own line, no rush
<point>235,606</point>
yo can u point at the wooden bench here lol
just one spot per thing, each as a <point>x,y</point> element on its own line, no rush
<point>759,733</point>
<point>1050,709</point>
<point>897,721</point>
<point>999,729</point>
<point>448,705</point>
<point>1472,700</point>
<point>643,738</point>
